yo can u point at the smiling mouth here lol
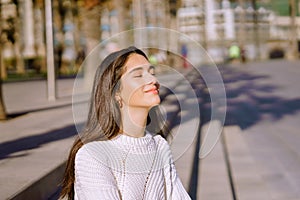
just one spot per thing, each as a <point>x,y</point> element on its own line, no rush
<point>154,91</point>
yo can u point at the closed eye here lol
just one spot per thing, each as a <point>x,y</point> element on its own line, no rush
<point>138,72</point>
<point>137,76</point>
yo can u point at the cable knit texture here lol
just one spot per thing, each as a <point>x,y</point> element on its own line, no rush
<point>127,168</point>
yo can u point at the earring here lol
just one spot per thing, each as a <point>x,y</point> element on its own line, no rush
<point>120,103</point>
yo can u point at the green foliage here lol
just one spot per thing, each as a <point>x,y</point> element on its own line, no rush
<point>28,76</point>
<point>281,7</point>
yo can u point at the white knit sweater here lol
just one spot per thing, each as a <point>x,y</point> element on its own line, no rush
<point>127,168</point>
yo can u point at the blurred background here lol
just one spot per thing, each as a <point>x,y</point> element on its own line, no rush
<point>254,43</point>
<point>252,29</point>
<point>265,29</point>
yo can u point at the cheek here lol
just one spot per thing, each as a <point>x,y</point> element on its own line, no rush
<point>131,91</point>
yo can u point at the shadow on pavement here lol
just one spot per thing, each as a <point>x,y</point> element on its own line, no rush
<point>250,99</point>
<point>35,141</point>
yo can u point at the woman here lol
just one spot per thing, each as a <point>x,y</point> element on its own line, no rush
<point>121,153</point>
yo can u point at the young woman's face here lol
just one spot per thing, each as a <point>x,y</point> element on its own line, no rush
<point>139,86</point>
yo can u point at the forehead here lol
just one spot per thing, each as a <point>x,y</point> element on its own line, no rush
<point>136,60</point>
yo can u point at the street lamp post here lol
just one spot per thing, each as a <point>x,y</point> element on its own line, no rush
<point>51,83</point>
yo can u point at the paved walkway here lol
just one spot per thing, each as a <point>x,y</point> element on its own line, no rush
<point>36,139</point>
<point>257,156</point>
<point>28,96</point>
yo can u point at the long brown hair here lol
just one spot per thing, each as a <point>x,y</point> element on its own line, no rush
<point>104,115</point>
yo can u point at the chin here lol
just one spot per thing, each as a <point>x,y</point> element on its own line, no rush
<point>156,101</point>
<point>155,104</point>
<point>152,104</point>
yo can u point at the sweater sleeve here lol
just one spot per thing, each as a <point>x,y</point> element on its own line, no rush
<point>93,179</point>
<point>175,189</point>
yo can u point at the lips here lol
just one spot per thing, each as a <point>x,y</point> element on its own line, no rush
<point>153,90</point>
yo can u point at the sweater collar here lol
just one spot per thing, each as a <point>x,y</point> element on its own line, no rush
<point>133,141</point>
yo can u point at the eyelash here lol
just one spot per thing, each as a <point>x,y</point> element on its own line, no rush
<point>140,75</point>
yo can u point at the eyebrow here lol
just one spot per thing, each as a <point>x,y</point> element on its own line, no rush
<point>141,68</point>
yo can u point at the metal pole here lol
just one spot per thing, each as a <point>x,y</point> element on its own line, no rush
<point>293,31</point>
<point>51,82</point>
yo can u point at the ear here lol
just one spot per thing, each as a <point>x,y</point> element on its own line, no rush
<point>119,100</point>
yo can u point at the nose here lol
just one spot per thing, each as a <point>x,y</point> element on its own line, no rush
<point>151,79</point>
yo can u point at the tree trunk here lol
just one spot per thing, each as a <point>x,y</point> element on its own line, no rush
<point>2,107</point>
<point>17,46</point>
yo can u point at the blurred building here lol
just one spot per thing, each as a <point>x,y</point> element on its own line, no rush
<point>283,31</point>
<point>215,24</point>
<point>24,45</point>
<point>218,24</point>
<point>22,22</point>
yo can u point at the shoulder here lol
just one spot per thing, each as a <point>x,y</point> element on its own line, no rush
<point>93,152</point>
<point>162,142</point>
<point>88,149</point>
<point>92,170</point>
<point>159,138</point>
<point>101,154</point>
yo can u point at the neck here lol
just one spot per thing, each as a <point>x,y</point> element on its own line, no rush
<point>134,121</point>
